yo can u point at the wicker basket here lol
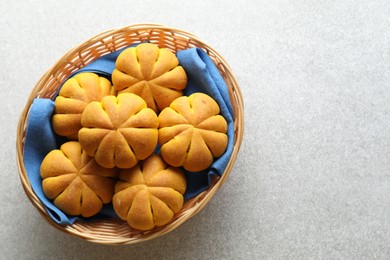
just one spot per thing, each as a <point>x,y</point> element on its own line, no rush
<point>110,231</point>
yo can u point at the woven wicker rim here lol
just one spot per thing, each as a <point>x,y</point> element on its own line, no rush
<point>116,232</point>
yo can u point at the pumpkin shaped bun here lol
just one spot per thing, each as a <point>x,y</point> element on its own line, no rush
<point>119,131</point>
<point>192,132</point>
<point>149,194</point>
<point>75,182</point>
<point>76,93</point>
<point>151,73</point>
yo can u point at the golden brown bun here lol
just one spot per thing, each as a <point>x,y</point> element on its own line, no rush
<point>150,72</point>
<point>192,133</point>
<point>73,97</point>
<point>149,194</point>
<point>119,131</point>
<point>76,183</point>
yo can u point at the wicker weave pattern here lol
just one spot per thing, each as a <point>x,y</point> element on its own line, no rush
<point>112,231</point>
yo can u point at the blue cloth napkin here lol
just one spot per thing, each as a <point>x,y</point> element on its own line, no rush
<point>203,76</point>
<point>40,140</point>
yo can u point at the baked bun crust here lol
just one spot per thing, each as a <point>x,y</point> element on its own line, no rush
<point>76,93</point>
<point>150,72</point>
<point>75,182</point>
<point>149,194</point>
<point>119,131</point>
<point>192,132</point>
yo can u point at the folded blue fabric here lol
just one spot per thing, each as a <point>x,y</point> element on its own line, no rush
<point>203,76</point>
<point>40,140</point>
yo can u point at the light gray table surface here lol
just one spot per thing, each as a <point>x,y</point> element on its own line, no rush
<point>312,178</point>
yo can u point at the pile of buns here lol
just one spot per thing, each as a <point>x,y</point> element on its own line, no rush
<point>131,139</point>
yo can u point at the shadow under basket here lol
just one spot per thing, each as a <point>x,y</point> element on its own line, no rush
<point>111,231</point>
